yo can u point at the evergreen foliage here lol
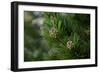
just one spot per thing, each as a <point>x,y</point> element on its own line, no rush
<point>61,36</point>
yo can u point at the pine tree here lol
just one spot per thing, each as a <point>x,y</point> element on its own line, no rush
<point>67,35</point>
<point>61,36</point>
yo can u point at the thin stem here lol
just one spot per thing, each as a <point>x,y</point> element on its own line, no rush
<point>61,41</point>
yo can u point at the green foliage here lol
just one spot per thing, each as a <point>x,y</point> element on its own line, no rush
<point>70,27</point>
<point>61,36</point>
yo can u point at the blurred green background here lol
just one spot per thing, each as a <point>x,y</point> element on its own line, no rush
<point>56,36</point>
